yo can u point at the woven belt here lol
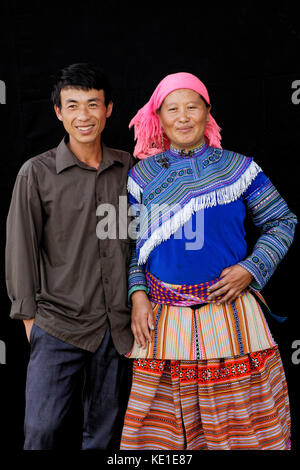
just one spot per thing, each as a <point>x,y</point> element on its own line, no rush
<point>193,295</point>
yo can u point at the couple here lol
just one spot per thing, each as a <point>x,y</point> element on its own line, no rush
<point>207,373</point>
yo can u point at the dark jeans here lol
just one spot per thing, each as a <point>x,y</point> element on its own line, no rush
<point>55,370</point>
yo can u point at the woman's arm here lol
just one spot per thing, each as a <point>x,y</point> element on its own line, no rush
<point>136,275</point>
<point>276,223</point>
<point>141,313</point>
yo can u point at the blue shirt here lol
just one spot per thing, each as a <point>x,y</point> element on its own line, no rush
<point>220,243</point>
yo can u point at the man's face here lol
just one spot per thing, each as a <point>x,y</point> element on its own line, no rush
<point>83,113</point>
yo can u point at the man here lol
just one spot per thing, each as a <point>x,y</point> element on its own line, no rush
<point>66,284</point>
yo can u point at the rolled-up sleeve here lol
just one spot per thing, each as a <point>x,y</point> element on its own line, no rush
<point>23,235</point>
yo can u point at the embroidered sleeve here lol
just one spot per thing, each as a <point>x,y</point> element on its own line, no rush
<point>136,275</point>
<point>136,181</point>
<point>276,222</point>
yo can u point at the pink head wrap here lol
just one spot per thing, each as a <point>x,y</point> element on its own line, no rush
<point>147,129</point>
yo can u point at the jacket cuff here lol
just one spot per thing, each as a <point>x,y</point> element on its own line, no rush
<point>257,268</point>
<point>135,288</point>
<point>23,309</point>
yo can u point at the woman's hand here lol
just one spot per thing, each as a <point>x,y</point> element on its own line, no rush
<point>141,318</point>
<point>233,281</point>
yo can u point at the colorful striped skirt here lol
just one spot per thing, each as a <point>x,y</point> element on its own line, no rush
<point>212,378</point>
<point>209,332</point>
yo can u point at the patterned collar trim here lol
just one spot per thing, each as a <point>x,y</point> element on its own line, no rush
<point>195,152</point>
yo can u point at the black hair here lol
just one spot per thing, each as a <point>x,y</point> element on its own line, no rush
<point>84,76</point>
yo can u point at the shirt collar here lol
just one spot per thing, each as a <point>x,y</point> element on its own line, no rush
<point>65,158</point>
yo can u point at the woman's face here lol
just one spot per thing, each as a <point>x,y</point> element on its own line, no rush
<point>183,116</point>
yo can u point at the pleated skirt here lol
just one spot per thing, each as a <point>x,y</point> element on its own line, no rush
<point>229,392</point>
<point>212,331</point>
<point>233,404</point>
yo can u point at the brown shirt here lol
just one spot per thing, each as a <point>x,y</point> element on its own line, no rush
<point>57,268</point>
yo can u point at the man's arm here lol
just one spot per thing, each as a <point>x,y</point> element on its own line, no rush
<point>28,326</point>
<point>23,235</point>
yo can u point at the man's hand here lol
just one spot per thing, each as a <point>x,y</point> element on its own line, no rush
<point>233,281</point>
<point>28,325</point>
<point>141,318</point>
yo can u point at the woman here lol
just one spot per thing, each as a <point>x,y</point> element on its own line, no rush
<point>207,372</point>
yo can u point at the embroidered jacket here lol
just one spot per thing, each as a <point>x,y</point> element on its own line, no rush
<point>170,190</point>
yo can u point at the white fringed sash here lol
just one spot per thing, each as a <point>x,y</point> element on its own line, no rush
<point>220,196</point>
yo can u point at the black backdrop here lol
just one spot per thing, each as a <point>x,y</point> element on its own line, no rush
<point>247,55</point>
